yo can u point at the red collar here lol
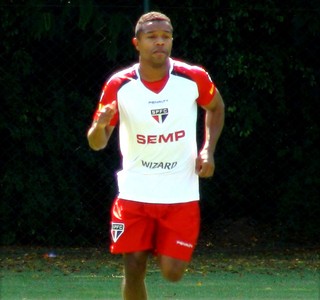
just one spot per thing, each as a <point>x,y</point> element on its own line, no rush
<point>156,86</point>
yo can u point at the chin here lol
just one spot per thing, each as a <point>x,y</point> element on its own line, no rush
<point>159,62</point>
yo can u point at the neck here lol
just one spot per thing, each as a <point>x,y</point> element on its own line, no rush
<point>153,72</point>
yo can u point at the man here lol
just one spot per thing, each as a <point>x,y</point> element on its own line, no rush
<point>155,102</point>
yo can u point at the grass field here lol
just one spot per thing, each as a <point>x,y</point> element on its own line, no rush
<point>95,274</point>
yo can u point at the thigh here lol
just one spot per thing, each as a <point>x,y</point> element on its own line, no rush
<point>178,231</point>
<point>131,228</point>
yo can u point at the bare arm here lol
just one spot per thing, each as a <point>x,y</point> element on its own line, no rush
<point>100,130</point>
<point>214,122</point>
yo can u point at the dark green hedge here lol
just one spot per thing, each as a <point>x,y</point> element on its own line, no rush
<point>264,58</point>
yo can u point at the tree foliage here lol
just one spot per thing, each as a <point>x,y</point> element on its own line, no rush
<point>262,56</point>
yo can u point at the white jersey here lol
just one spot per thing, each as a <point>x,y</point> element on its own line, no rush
<point>158,133</point>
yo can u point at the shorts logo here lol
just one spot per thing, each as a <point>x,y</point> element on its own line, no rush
<point>117,230</point>
<point>184,244</point>
<point>160,114</point>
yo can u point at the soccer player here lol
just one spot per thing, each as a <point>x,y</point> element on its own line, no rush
<point>155,103</point>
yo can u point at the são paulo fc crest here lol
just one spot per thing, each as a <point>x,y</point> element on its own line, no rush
<point>160,114</point>
<point>117,230</point>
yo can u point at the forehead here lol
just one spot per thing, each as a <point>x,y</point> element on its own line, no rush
<point>153,26</point>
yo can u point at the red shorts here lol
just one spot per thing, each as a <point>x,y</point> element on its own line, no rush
<point>164,229</point>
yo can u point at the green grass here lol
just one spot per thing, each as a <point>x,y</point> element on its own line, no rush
<point>91,274</point>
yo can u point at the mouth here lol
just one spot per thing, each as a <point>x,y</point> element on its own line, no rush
<point>160,52</point>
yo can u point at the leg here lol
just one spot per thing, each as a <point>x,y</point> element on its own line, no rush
<point>172,269</point>
<point>178,231</point>
<point>133,286</point>
<point>132,232</point>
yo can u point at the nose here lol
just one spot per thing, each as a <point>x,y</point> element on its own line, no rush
<point>160,41</point>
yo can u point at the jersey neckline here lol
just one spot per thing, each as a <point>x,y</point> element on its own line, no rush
<point>155,86</point>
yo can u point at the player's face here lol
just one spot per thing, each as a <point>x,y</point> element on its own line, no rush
<point>154,42</point>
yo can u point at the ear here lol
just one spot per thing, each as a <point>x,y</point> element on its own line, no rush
<point>135,43</point>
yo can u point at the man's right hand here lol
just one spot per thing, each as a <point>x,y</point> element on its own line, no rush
<point>106,114</point>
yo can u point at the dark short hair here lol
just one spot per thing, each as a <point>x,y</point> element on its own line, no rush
<point>149,17</point>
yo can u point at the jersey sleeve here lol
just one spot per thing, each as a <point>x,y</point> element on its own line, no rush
<point>108,95</point>
<point>206,87</point>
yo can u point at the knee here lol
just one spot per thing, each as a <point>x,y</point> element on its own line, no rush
<point>134,268</point>
<point>172,269</point>
<point>172,274</point>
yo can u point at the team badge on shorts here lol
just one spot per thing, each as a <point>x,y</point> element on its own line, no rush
<point>159,114</point>
<point>117,230</point>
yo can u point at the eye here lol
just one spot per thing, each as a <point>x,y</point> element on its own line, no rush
<point>154,36</point>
